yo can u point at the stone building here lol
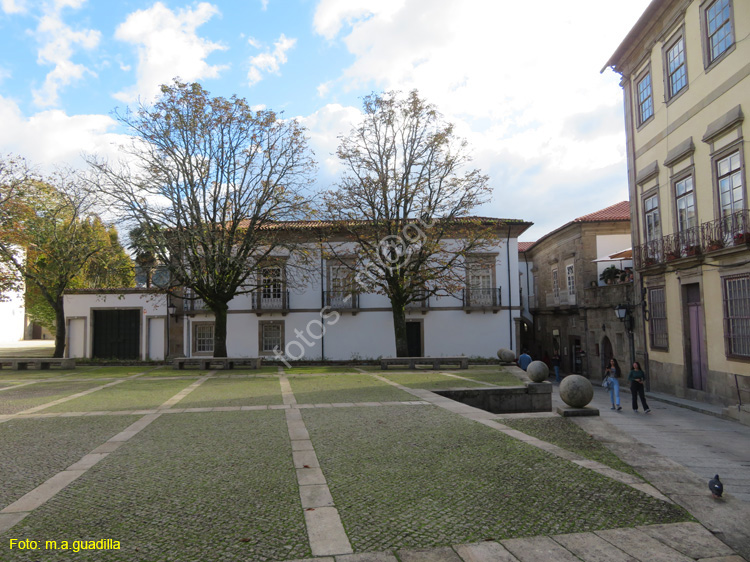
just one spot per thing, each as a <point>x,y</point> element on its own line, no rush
<point>686,85</point>
<point>571,305</point>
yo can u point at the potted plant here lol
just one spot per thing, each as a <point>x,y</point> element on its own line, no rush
<point>610,275</point>
<point>741,238</point>
<point>693,250</point>
<point>714,245</point>
<point>673,255</point>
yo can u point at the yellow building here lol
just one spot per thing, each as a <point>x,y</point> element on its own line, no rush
<point>685,70</point>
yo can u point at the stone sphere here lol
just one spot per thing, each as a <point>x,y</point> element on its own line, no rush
<point>576,391</point>
<point>537,371</point>
<point>506,355</point>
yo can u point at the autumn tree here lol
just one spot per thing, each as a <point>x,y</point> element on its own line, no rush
<point>204,179</point>
<point>403,200</point>
<point>52,240</point>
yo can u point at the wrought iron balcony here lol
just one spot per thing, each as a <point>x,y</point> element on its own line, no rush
<point>726,232</point>
<point>421,302</point>
<point>563,298</point>
<point>342,300</point>
<point>481,299</point>
<point>271,300</point>
<point>192,305</point>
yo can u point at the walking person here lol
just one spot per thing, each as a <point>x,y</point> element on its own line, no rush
<point>556,366</point>
<point>637,378</point>
<point>524,360</point>
<point>611,383</point>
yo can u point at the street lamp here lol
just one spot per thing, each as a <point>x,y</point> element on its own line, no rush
<point>625,315</point>
<point>172,309</point>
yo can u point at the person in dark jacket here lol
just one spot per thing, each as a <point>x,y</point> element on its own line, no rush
<point>637,379</point>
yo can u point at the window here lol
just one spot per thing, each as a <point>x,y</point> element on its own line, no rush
<point>729,180</point>
<point>685,202</point>
<point>555,284</point>
<point>480,282</point>
<point>272,291</point>
<point>570,278</point>
<point>676,67</point>
<point>657,307</point>
<point>271,335</point>
<point>203,338</point>
<point>341,287</point>
<point>737,315</point>
<point>652,221</point>
<point>717,26</point>
<point>645,98</point>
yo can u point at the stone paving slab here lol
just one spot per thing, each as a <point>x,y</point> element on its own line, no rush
<point>489,551</point>
<point>641,546</point>
<point>538,549</point>
<point>692,539</point>
<point>325,532</point>
<point>315,495</point>
<point>367,557</point>
<point>445,554</point>
<point>592,548</point>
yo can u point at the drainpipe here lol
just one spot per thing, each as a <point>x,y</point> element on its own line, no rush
<point>322,303</point>
<point>510,294</point>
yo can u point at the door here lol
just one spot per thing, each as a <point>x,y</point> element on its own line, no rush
<point>156,339</point>
<point>117,334</point>
<point>414,339</point>
<point>697,342</point>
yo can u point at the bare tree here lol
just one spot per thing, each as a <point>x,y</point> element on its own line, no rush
<point>403,201</point>
<point>205,179</point>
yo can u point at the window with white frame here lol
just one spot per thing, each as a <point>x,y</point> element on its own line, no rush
<point>657,306</point>
<point>555,284</point>
<point>570,278</point>
<point>203,337</point>
<point>340,286</point>
<point>480,282</point>
<point>685,204</point>
<point>718,29</point>
<point>676,66</point>
<point>729,180</point>
<point>271,335</point>
<point>652,220</point>
<point>272,287</point>
<point>645,98</point>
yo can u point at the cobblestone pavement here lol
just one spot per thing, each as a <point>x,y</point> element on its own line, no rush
<point>247,478</point>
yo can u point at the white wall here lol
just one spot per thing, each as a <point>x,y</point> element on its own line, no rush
<point>12,318</point>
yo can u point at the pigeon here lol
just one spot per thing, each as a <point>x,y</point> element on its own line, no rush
<point>716,487</point>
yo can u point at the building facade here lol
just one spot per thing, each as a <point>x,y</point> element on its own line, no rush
<point>686,82</point>
<point>572,301</point>
<point>318,316</point>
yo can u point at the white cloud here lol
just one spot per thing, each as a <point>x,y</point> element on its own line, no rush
<point>13,6</point>
<point>522,84</point>
<point>168,47</point>
<point>59,43</point>
<point>270,61</point>
<point>264,5</point>
<point>324,128</point>
<point>53,138</point>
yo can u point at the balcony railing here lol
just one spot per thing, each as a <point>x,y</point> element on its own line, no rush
<point>271,301</point>
<point>481,299</point>
<point>342,300</point>
<point>192,305</point>
<point>727,232</point>
<point>563,298</point>
<point>421,302</point>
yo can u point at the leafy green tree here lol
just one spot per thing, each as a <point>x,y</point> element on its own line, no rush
<point>403,200</point>
<point>204,179</point>
<point>53,241</point>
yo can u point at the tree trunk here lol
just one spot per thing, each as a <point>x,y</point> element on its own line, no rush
<point>399,329</point>
<point>220,329</point>
<point>59,328</point>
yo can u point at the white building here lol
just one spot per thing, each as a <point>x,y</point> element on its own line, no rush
<point>314,320</point>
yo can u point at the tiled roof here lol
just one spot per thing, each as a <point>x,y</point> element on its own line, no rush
<point>523,246</point>
<point>617,212</point>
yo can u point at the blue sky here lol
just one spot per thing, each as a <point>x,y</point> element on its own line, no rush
<point>520,80</point>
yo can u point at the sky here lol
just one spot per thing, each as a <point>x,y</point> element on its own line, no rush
<point>521,81</point>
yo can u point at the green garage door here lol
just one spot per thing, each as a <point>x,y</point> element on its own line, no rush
<point>117,334</point>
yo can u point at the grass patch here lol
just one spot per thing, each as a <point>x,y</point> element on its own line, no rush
<point>566,434</point>
<point>233,392</point>
<point>131,395</point>
<point>19,399</point>
<point>190,487</point>
<point>344,388</point>
<point>37,449</point>
<point>28,375</point>
<point>113,372</point>
<point>499,378</point>
<point>319,370</point>
<point>419,477</point>
<point>429,380</point>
